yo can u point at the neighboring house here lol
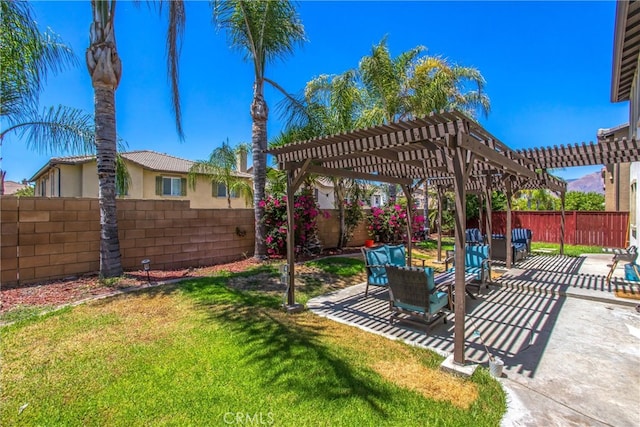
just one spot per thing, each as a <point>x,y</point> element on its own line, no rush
<point>154,176</point>
<point>625,86</point>
<point>323,192</point>
<point>616,176</point>
<point>10,187</point>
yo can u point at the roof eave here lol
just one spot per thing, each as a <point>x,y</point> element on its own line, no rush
<point>622,9</point>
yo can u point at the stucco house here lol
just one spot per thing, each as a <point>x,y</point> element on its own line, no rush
<point>154,176</point>
<point>625,86</point>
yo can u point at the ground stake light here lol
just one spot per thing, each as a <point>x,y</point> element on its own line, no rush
<point>146,266</point>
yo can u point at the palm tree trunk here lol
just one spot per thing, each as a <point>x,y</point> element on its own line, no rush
<point>259,114</point>
<point>105,70</point>
<point>110,263</point>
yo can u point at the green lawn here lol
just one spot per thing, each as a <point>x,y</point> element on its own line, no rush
<point>569,250</point>
<point>201,353</point>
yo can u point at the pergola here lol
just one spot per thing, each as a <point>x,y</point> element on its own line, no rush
<point>448,148</point>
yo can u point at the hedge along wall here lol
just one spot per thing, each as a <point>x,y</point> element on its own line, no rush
<point>51,238</point>
<point>45,239</point>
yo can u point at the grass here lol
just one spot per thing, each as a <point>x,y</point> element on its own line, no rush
<point>201,353</point>
<point>23,312</point>
<point>340,266</point>
<point>569,250</point>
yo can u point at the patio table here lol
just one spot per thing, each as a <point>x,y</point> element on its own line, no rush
<point>446,281</point>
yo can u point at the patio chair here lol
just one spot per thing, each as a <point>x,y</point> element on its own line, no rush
<point>629,255</point>
<point>522,236</point>
<point>412,292</point>
<point>476,262</point>
<point>499,250</point>
<point>375,260</point>
<point>474,236</point>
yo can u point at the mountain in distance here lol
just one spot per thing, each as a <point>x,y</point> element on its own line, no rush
<point>590,183</point>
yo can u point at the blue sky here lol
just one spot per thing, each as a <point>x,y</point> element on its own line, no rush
<point>547,67</point>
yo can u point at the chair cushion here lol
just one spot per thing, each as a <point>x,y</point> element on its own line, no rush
<point>397,255</point>
<point>378,257</point>
<point>437,301</point>
<point>428,271</point>
<point>475,255</point>
<point>474,270</point>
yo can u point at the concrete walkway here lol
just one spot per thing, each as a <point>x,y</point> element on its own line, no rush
<point>571,347</point>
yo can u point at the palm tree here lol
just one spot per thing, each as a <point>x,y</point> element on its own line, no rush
<point>263,31</point>
<point>27,57</point>
<point>409,85</point>
<point>436,84</point>
<point>221,168</point>
<point>105,70</point>
<point>331,104</point>
<point>386,80</point>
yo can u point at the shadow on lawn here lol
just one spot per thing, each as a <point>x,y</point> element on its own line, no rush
<point>291,357</point>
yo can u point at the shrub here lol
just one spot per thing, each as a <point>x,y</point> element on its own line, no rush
<point>353,214</point>
<point>306,212</point>
<point>388,224</point>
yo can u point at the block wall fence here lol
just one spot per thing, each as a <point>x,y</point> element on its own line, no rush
<point>50,238</point>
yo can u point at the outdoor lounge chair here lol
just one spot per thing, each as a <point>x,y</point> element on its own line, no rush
<point>629,255</point>
<point>522,236</point>
<point>499,250</point>
<point>474,236</point>
<point>476,262</point>
<point>412,292</point>
<point>375,260</point>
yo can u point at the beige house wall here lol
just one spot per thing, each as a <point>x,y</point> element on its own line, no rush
<point>136,173</point>
<point>81,180</point>
<point>616,187</point>
<point>70,181</point>
<point>616,180</point>
<point>200,197</point>
<point>89,179</point>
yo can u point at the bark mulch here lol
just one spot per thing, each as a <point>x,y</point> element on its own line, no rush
<point>67,291</point>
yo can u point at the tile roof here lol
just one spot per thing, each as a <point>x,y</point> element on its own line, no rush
<point>146,158</point>
<point>158,162</point>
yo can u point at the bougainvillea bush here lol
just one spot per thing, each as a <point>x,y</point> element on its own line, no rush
<point>388,224</point>
<point>306,212</point>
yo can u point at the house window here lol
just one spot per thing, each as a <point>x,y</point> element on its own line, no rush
<point>376,200</point>
<point>220,190</point>
<point>316,194</point>
<point>43,187</point>
<point>171,186</point>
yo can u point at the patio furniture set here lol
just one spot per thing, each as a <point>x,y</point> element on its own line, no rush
<point>418,292</point>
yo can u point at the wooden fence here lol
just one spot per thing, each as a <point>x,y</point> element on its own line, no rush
<point>610,229</point>
<point>50,238</point>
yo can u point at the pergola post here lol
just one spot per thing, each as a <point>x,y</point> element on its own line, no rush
<point>407,194</point>
<point>488,219</point>
<point>480,211</point>
<point>508,193</point>
<point>426,209</point>
<point>458,165</point>
<point>440,198</point>
<point>293,183</point>
<point>291,249</point>
<point>562,219</point>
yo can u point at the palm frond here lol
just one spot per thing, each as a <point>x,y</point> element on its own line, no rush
<point>27,58</point>
<point>55,130</point>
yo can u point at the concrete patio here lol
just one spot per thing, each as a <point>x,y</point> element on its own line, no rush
<point>571,347</point>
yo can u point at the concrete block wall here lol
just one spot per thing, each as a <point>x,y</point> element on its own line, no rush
<point>328,229</point>
<point>51,238</point>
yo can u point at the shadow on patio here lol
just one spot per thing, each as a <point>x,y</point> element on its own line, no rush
<point>515,316</point>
